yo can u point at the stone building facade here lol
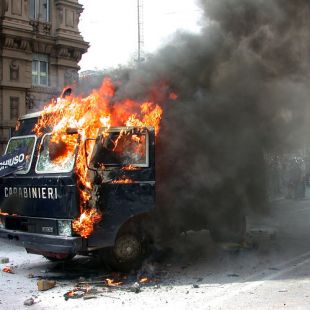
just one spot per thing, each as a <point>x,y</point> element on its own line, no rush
<point>40,47</point>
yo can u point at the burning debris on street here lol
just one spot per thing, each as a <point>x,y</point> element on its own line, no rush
<point>7,270</point>
<point>104,285</point>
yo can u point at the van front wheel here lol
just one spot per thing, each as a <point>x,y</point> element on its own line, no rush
<point>127,254</point>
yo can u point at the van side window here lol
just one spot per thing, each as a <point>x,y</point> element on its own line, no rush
<point>122,149</point>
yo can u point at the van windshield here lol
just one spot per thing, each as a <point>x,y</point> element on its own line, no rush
<point>56,156</point>
<point>25,143</point>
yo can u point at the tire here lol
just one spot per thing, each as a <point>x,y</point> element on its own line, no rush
<point>230,230</point>
<point>127,254</point>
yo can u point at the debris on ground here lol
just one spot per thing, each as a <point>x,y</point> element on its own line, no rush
<point>44,285</point>
<point>136,288</point>
<point>258,236</point>
<point>262,233</point>
<point>29,302</point>
<point>7,270</point>
<point>4,260</point>
<point>103,285</point>
<point>87,293</point>
<point>195,286</point>
<point>89,296</point>
<point>75,293</point>
<point>233,246</point>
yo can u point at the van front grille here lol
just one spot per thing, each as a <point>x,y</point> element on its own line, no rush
<point>31,225</point>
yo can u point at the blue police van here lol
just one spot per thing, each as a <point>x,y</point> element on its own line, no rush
<point>39,199</point>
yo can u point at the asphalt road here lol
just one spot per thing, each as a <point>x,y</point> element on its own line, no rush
<point>271,273</point>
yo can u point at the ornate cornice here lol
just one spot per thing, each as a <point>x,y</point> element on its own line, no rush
<point>9,42</point>
<point>41,47</point>
<point>40,27</point>
<point>16,43</point>
<point>70,52</point>
<point>44,47</point>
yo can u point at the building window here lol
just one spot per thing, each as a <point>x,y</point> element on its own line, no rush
<point>40,69</point>
<point>14,108</point>
<point>14,71</point>
<point>39,9</point>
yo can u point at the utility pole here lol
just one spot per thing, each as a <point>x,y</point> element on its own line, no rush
<point>140,31</point>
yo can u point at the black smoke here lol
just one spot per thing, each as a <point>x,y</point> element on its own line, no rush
<point>243,92</point>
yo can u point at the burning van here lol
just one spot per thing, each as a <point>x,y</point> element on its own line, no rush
<point>79,178</point>
<point>40,200</point>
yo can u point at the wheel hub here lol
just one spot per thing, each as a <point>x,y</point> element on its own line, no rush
<point>127,248</point>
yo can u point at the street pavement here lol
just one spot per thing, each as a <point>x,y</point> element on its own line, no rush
<point>270,272</point>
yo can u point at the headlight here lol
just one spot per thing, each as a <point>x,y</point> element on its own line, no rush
<point>64,228</point>
<point>2,223</point>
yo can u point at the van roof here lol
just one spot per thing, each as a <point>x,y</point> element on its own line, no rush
<point>31,115</point>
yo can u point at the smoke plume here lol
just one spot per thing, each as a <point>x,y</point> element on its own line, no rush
<point>243,90</point>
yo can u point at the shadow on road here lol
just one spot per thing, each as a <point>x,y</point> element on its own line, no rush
<point>274,245</point>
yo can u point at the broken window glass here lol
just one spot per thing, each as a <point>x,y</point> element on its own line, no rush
<point>121,149</point>
<point>57,156</point>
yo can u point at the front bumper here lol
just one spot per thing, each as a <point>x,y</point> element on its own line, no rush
<point>41,243</point>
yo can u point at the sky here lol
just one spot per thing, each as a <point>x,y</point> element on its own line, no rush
<point>111,28</point>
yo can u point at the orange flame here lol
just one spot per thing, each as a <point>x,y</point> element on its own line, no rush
<point>17,125</point>
<point>112,282</point>
<point>122,181</point>
<point>130,168</point>
<point>71,293</point>
<point>84,225</point>
<point>143,280</point>
<point>7,270</point>
<point>85,116</point>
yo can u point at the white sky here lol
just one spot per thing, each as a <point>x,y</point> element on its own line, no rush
<point>111,28</point>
